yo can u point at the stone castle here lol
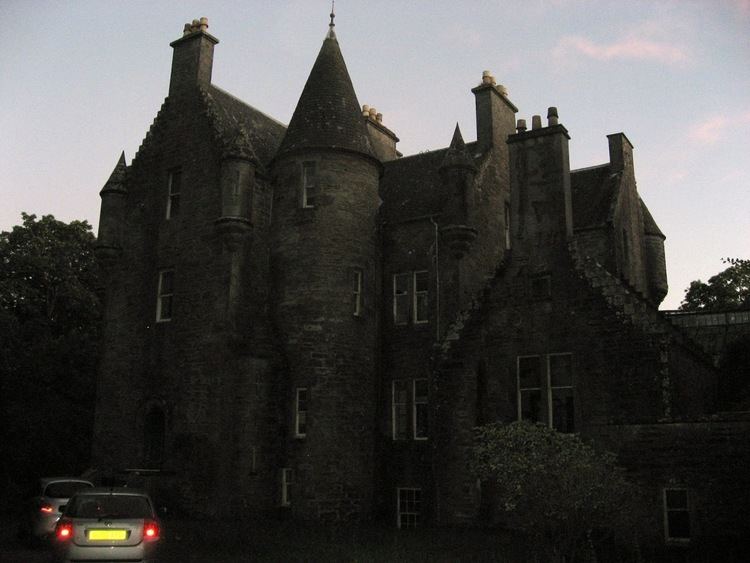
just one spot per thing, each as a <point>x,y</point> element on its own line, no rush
<point>299,318</point>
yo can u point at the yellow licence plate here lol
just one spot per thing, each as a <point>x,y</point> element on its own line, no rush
<point>108,534</point>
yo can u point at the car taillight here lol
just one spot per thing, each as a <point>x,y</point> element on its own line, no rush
<point>47,509</point>
<point>64,530</point>
<point>150,530</point>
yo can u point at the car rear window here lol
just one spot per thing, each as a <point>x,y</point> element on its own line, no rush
<point>64,489</point>
<point>109,506</point>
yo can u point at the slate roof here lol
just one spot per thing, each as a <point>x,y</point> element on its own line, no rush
<point>594,190</point>
<point>264,133</point>
<point>328,114</point>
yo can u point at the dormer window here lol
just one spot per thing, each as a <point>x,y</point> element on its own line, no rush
<point>174,186</point>
<point>309,184</point>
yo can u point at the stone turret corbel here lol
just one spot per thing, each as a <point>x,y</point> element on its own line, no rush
<point>237,180</point>
<point>457,173</point>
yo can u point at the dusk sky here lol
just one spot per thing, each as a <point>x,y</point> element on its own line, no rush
<point>82,81</point>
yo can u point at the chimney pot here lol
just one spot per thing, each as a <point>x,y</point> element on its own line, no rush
<point>536,122</point>
<point>373,113</point>
<point>503,90</point>
<point>186,29</point>
<point>203,24</point>
<point>379,118</point>
<point>552,117</point>
<point>521,125</point>
<point>195,25</point>
<point>365,110</point>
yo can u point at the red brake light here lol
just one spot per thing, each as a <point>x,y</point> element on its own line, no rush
<point>46,508</point>
<point>64,530</point>
<point>150,530</point>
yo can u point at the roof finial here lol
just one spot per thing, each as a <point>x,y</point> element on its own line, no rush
<point>331,25</point>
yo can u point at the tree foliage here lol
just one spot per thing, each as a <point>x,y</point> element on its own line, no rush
<point>49,338</point>
<point>727,290</point>
<point>555,488</point>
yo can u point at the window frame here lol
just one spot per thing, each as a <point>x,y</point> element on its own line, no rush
<point>416,296</point>
<point>173,197</point>
<point>298,412</point>
<point>416,505</point>
<point>506,228</point>
<point>287,480</point>
<point>357,279</point>
<point>309,185</point>
<point>546,389</point>
<point>162,297</point>
<point>407,298</point>
<point>399,415</point>
<point>667,510</point>
<point>415,405</point>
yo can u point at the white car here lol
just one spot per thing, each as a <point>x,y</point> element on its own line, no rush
<point>44,509</point>
<point>108,524</point>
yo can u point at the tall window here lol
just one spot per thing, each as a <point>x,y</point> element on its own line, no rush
<point>676,515</point>
<point>165,296</point>
<point>300,413</point>
<point>410,409</point>
<point>419,409</point>
<point>411,297</point>
<point>287,478</point>
<point>507,226</point>
<point>154,430</point>
<point>400,408</point>
<point>356,278</point>
<point>309,184</point>
<point>409,502</point>
<point>174,186</point>
<point>545,391</point>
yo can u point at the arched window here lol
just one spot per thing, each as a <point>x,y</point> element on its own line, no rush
<point>154,430</point>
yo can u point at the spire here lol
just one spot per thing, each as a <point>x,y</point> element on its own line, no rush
<point>328,114</point>
<point>331,33</point>
<point>117,178</point>
<point>457,156</point>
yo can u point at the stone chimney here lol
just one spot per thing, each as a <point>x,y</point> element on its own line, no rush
<point>192,59</point>
<point>495,113</point>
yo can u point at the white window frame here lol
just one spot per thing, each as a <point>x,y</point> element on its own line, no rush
<point>357,276</point>
<point>666,510</point>
<point>172,195</point>
<point>298,412</point>
<point>309,184</point>
<point>408,518</point>
<point>417,294</point>
<point>161,297</point>
<point>287,479</point>
<point>414,407</point>
<point>546,389</point>
<point>395,411</point>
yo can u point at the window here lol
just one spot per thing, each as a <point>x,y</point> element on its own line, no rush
<point>165,296</point>
<point>411,297</point>
<point>545,391</point>
<point>419,409</point>
<point>676,515</point>
<point>409,503</point>
<point>400,406</point>
<point>300,413</point>
<point>309,184</point>
<point>356,279</point>
<point>153,430</point>
<point>174,186</point>
<point>287,479</point>
<point>409,409</point>
<point>507,226</point>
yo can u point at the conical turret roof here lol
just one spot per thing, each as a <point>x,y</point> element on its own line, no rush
<point>328,114</point>
<point>457,156</point>
<point>117,178</point>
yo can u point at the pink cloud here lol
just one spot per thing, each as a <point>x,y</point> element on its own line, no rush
<point>630,48</point>
<point>712,129</point>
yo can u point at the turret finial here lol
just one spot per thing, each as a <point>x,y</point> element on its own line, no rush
<point>331,33</point>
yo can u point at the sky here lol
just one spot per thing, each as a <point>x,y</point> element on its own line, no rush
<point>81,81</point>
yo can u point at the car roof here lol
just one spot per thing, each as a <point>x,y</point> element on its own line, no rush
<point>44,481</point>
<point>129,491</point>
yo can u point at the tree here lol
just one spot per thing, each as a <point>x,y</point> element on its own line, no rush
<point>555,488</point>
<point>49,338</point>
<point>727,290</point>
